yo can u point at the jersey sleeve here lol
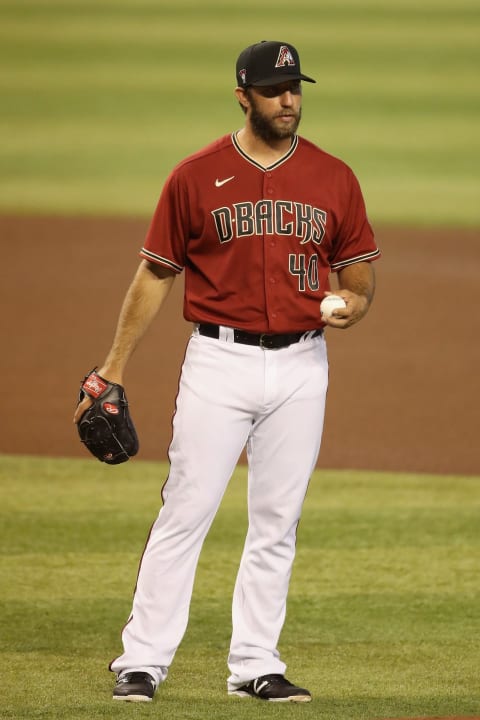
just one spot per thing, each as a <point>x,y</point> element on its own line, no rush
<point>355,239</point>
<point>167,235</point>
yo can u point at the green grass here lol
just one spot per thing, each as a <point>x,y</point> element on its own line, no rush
<point>101,99</point>
<point>383,616</point>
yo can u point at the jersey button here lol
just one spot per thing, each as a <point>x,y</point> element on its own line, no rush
<point>270,191</point>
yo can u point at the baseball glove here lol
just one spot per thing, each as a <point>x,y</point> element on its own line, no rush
<point>106,427</point>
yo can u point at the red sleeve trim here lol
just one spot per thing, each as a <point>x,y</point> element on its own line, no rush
<point>366,257</point>
<point>153,257</point>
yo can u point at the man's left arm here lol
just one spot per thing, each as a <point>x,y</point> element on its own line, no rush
<point>357,288</point>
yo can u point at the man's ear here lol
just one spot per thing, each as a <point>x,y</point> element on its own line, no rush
<point>242,98</point>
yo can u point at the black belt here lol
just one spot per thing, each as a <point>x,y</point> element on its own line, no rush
<point>270,342</point>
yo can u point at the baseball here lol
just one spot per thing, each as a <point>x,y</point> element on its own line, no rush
<point>329,304</point>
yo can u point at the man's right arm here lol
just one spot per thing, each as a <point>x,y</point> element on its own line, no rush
<point>145,296</point>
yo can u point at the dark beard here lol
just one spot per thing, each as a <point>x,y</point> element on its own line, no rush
<point>264,128</point>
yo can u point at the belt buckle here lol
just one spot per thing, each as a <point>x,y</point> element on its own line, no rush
<point>266,341</point>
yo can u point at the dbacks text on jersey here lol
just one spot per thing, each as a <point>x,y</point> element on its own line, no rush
<point>270,217</point>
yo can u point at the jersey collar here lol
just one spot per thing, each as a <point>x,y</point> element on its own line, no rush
<point>283,159</point>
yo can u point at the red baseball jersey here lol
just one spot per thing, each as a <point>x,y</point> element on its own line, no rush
<point>258,244</point>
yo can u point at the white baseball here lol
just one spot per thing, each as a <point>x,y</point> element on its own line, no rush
<point>329,304</point>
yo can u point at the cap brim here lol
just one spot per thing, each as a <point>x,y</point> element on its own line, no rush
<point>278,80</point>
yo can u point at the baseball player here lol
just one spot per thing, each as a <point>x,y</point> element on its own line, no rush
<point>256,221</point>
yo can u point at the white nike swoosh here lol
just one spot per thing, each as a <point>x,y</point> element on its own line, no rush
<point>219,183</point>
<point>259,686</point>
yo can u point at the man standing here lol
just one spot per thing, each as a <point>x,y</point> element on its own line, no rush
<point>257,220</point>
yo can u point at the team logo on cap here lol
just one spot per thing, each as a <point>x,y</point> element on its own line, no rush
<point>285,57</point>
<point>243,76</point>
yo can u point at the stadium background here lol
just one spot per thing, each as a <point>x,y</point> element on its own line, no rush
<point>100,100</point>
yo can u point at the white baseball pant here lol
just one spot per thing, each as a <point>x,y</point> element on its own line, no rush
<point>230,395</point>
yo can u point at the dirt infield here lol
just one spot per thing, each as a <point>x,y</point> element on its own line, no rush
<point>405,383</point>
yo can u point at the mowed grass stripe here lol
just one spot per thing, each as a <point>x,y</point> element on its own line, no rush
<point>346,531</point>
<point>318,573</point>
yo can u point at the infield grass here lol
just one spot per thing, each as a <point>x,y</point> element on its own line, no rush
<point>101,99</point>
<point>383,617</point>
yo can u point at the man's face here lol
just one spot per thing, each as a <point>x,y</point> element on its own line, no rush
<point>275,110</point>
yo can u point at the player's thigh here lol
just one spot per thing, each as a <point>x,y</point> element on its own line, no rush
<point>284,444</point>
<point>212,417</point>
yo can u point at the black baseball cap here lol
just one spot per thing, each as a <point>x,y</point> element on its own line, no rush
<point>269,63</point>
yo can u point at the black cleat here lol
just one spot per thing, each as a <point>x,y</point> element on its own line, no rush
<point>275,688</point>
<point>134,687</point>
